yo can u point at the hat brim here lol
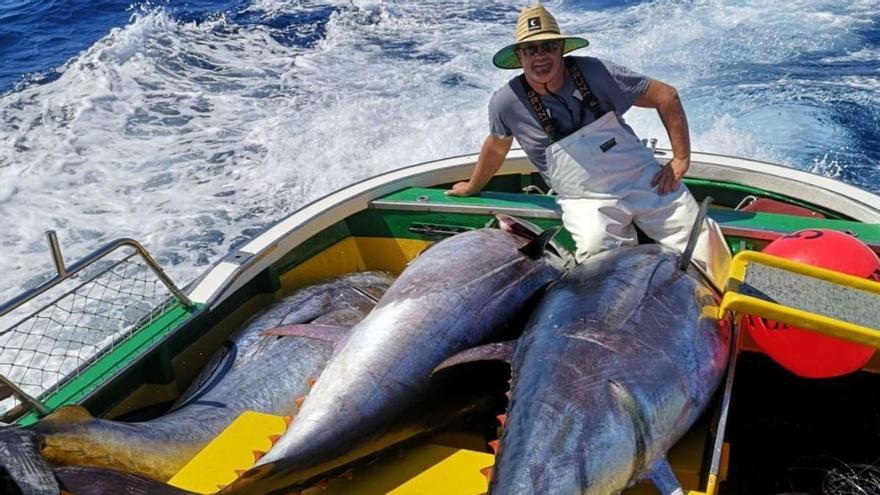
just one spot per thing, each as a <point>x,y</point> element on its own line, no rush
<point>506,57</point>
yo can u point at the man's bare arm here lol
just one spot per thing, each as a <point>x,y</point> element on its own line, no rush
<point>492,156</point>
<point>664,98</point>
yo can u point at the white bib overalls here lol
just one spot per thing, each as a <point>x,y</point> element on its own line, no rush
<point>602,176</point>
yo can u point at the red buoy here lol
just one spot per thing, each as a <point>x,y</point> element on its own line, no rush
<point>803,352</point>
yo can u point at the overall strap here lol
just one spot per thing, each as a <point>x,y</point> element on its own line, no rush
<point>538,107</point>
<point>583,88</point>
<point>540,112</point>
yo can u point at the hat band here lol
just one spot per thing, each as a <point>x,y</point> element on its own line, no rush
<point>537,34</point>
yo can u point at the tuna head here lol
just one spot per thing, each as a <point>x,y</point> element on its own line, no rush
<point>616,363</point>
<point>455,295</point>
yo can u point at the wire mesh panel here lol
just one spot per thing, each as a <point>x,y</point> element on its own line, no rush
<point>55,344</point>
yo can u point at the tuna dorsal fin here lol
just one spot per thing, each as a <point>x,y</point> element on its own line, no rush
<point>664,479</point>
<point>328,333</point>
<point>535,248</point>
<point>496,351</point>
<point>518,226</point>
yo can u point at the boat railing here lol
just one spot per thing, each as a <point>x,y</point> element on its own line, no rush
<point>105,298</point>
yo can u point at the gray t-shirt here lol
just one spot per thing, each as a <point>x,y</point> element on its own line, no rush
<point>615,87</point>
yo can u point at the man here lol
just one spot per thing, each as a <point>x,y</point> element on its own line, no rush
<point>565,113</point>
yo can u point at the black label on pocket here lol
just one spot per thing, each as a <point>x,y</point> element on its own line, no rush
<point>607,145</point>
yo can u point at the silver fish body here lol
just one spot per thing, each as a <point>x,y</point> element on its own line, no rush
<point>618,360</point>
<point>252,372</point>
<point>455,295</point>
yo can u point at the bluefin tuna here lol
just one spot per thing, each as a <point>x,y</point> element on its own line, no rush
<point>616,363</point>
<point>258,369</point>
<point>457,294</point>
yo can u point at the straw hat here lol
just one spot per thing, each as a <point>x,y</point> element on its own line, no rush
<point>535,24</point>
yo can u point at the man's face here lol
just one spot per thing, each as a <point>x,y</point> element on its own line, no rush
<point>541,60</point>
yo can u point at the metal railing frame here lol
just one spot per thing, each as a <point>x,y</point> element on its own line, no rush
<point>63,273</point>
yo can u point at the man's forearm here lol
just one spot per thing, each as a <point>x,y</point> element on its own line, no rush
<point>492,156</point>
<point>674,119</point>
<point>489,162</point>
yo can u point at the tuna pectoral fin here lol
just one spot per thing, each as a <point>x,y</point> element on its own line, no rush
<point>535,249</point>
<point>496,351</point>
<point>664,479</point>
<point>327,333</point>
<point>20,456</point>
<point>100,481</point>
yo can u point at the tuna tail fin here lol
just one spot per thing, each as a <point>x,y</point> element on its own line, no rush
<point>496,351</point>
<point>20,456</point>
<point>535,249</point>
<point>97,481</point>
<point>664,479</point>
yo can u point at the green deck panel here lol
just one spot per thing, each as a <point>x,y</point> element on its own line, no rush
<point>396,223</point>
<point>108,365</point>
<point>514,183</point>
<point>486,199</point>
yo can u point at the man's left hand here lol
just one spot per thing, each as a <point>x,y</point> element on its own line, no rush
<point>668,178</point>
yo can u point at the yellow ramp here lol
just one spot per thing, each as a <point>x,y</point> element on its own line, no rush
<point>235,449</point>
<point>425,470</point>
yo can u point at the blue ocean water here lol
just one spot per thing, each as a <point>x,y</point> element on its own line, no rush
<point>35,37</point>
<point>192,125</point>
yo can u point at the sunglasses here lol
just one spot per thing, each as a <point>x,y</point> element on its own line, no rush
<point>532,49</point>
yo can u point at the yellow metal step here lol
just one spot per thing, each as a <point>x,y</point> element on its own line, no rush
<point>425,470</point>
<point>804,296</point>
<point>236,449</point>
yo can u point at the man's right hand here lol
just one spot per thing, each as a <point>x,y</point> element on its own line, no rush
<point>461,189</point>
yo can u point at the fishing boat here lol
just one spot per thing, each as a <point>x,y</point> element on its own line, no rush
<point>112,332</point>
